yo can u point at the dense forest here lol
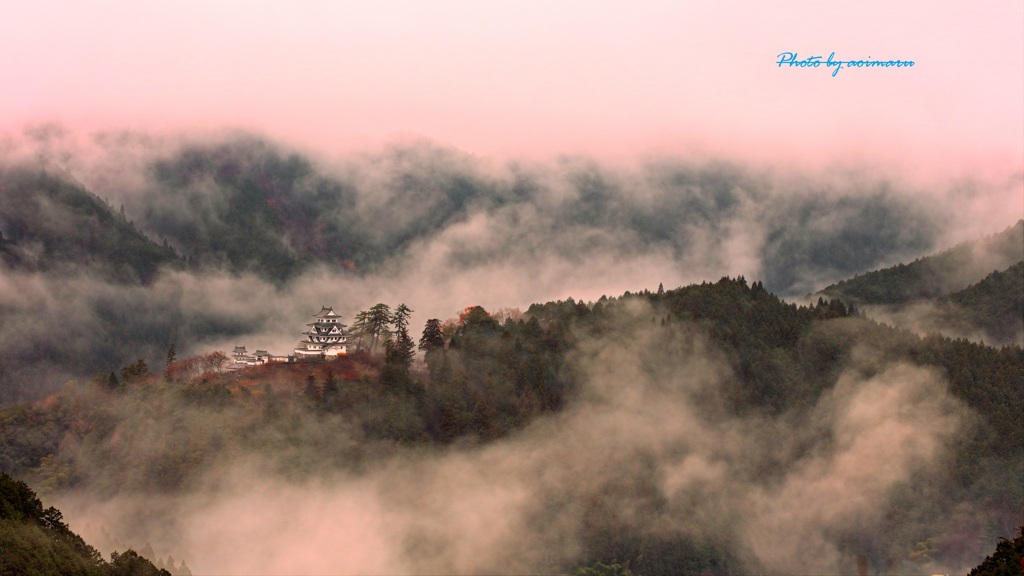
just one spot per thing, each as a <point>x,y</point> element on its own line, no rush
<point>775,363</point>
<point>937,275</point>
<point>975,290</point>
<point>1008,558</point>
<point>35,540</point>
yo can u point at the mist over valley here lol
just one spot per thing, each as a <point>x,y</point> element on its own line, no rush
<point>673,366</point>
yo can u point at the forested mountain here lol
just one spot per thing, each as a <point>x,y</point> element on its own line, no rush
<point>993,306</point>
<point>974,290</point>
<point>790,384</point>
<point>50,223</point>
<point>934,276</point>
<point>36,541</point>
<point>248,204</point>
<point>251,205</point>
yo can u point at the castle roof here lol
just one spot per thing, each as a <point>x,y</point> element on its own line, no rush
<point>326,312</point>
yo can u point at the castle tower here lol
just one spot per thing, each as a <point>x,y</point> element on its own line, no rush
<point>326,336</point>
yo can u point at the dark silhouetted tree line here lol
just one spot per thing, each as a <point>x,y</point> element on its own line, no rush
<point>34,540</point>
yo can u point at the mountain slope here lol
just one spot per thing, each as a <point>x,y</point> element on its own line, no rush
<point>34,540</point>
<point>613,399</point>
<point>934,276</point>
<point>48,222</point>
<point>994,306</point>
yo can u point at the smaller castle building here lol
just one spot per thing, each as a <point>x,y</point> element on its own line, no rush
<point>241,358</point>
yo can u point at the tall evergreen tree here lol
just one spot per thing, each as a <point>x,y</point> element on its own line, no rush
<point>432,344</point>
<point>398,352</point>
<point>400,318</point>
<point>378,319</point>
<point>404,347</point>
<point>361,327</point>
<point>432,339</point>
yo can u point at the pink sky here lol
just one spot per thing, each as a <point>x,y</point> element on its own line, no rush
<point>505,79</point>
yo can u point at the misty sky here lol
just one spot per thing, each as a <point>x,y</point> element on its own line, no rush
<point>614,80</point>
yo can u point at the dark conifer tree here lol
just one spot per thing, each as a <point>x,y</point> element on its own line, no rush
<point>377,320</point>
<point>432,339</point>
<point>432,344</point>
<point>112,382</point>
<point>311,391</point>
<point>403,348</point>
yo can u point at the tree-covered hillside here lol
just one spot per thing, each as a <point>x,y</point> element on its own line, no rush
<point>50,223</point>
<point>36,541</point>
<point>250,205</point>
<point>994,306</point>
<point>729,356</point>
<point>975,291</point>
<point>934,276</point>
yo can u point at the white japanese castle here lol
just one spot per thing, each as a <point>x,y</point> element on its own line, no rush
<point>326,336</point>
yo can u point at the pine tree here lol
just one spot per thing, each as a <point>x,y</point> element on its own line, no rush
<point>432,339</point>
<point>361,327</point>
<point>398,352</point>
<point>401,317</point>
<point>432,344</point>
<point>134,372</point>
<point>377,320</point>
<point>112,382</point>
<point>404,348</point>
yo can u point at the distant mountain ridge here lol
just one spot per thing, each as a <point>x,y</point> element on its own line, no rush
<point>937,275</point>
<point>48,221</point>
<point>973,290</point>
<point>996,304</point>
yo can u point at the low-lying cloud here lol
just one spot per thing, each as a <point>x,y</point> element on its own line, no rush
<point>646,452</point>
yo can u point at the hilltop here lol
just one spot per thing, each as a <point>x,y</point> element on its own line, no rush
<point>934,276</point>
<point>763,363</point>
<point>975,289</point>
